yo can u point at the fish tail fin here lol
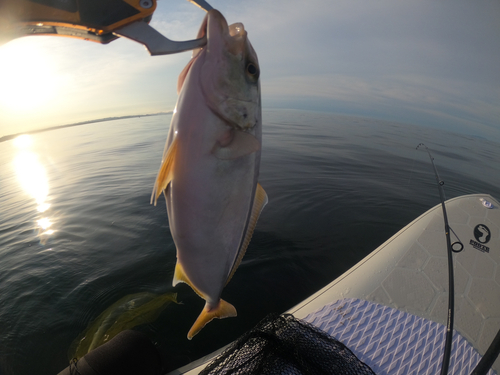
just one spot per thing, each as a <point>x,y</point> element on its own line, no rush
<point>165,173</point>
<point>222,310</point>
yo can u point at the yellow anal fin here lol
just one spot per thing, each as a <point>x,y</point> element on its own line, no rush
<point>180,277</point>
<point>223,310</point>
<point>259,202</point>
<point>165,174</point>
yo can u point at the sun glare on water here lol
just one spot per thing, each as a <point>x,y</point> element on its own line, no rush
<point>33,180</point>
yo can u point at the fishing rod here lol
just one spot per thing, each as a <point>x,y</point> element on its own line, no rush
<point>451,289</point>
<point>493,350</point>
<point>489,357</point>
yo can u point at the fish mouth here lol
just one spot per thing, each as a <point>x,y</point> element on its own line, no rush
<point>219,33</point>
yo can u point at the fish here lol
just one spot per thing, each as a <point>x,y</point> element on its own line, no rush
<point>126,313</point>
<point>210,166</point>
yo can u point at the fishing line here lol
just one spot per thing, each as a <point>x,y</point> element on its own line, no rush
<point>412,169</point>
<point>451,289</point>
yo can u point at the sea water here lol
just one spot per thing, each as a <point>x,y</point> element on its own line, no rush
<point>77,232</point>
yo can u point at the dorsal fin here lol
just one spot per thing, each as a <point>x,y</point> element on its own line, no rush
<point>165,174</point>
<point>259,202</point>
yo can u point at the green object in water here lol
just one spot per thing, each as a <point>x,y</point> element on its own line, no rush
<point>128,312</point>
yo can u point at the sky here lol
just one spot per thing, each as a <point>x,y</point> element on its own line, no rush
<point>431,63</point>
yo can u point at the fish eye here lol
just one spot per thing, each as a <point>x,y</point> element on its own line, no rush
<point>252,70</point>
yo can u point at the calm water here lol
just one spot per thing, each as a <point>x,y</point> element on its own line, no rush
<point>77,232</point>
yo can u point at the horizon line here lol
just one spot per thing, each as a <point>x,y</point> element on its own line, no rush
<point>11,136</point>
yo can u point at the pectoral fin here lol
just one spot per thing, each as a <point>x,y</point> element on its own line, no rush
<point>236,144</point>
<point>223,310</point>
<point>259,202</point>
<point>165,173</point>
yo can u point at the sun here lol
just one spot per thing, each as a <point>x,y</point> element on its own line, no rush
<point>28,77</point>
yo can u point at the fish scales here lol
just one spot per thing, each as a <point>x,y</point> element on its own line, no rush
<point>210,168</point>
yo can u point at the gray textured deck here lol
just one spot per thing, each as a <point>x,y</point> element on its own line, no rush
<point>393,342</point>
<point>409,272</point>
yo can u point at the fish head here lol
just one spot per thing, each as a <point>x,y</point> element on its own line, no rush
<point>230,73</point>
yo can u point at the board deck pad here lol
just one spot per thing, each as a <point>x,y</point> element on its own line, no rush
<point>409,271</point>
<point>393,342</point>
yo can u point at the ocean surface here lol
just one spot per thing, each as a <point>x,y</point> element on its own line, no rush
<point>77,232</point>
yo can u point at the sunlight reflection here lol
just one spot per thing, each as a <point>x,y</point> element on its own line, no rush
<point>31,175</point>
<point>43,207</point>
<point>23,141</point>
<point>44,223</point>
<point>33,179</point>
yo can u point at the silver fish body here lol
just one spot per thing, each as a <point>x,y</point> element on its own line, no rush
<point>211,164</point>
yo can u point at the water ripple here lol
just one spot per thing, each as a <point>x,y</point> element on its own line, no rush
<point>338,186</point>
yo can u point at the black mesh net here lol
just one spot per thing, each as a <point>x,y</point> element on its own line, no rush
<point>282,344</point>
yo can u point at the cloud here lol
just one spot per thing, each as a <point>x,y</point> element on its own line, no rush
<point>179,22</point>
<point>404,98</point>
<point>411,61</point>
<point>384,58</point>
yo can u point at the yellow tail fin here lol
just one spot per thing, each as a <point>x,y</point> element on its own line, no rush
<point>223,310</point>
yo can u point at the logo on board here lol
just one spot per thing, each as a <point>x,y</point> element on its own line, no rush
<point>482,234</point>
